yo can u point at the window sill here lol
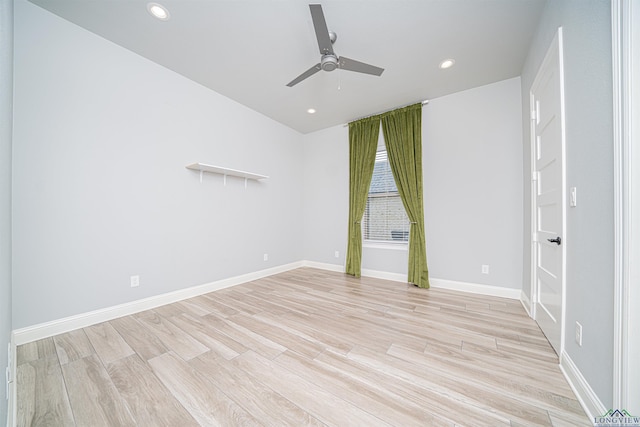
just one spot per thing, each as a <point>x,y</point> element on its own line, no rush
<point>399,246</point>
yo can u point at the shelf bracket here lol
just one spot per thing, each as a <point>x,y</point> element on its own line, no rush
<point>202,168</point>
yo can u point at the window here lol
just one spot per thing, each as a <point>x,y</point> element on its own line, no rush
<point>384,216</point>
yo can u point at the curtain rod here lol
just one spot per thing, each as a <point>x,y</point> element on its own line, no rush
<point>425,102</point>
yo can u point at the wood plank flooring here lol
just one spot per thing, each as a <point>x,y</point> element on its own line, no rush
<point>302,348</point>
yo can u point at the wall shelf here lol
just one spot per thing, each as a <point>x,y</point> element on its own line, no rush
<point>202,167</point>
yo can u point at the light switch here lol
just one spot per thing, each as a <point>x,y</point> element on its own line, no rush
<point>573,197</point>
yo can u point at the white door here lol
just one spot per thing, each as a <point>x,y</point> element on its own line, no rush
<point>547,123</point>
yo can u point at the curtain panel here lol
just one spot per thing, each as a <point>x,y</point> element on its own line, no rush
<point>402,130</point>
<point>363,144</point>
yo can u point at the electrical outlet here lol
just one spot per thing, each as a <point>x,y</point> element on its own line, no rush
<point>485,269</point>
<point>337,254</point>
<point>135,281</point>
<point>579,334</point>
<point>266,257</point>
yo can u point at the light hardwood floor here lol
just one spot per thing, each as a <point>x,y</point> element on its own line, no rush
<point>306,347</point>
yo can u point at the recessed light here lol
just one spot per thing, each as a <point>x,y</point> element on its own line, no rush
<point>158,10</point>
<point>311,110</point>
<point>447,63</point>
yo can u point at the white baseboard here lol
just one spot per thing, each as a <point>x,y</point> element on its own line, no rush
<point>526,303</point>
<point>55,327</point>
<point>583,391</point>
<point>396,277</point>
<point>12,395</point>
<point>476,288</point>
<point>324,266</point>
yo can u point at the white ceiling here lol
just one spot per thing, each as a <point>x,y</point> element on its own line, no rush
<point>248,50</point>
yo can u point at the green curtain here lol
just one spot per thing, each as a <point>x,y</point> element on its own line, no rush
<point>363,144</point>
<point>402,130</point>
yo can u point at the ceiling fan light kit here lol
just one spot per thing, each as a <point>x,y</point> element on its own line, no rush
<point>329,61</point>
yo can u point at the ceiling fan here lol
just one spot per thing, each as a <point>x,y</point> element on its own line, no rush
<point>329,61</point>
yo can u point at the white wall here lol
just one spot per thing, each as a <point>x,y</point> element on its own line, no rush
<point>326,194</point>
<point>100,189</point>
<point>589,158</point>
<point>6,91</point>
<point>472,149</point>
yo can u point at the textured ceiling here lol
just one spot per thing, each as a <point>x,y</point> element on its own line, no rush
<point>248,50</point>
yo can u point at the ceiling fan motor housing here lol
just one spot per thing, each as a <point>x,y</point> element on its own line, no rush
<point>329,62</point>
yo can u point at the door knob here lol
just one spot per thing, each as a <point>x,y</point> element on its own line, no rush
<point>557,240</point>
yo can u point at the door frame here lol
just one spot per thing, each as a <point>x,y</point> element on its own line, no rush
<point>556,45</point>
<point>626,90</point>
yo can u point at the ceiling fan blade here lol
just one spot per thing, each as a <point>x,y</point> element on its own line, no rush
<point>322,33</point>
<point>310,72</point>
<point>359,67</point>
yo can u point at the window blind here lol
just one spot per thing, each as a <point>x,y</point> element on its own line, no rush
<point>384,217</point>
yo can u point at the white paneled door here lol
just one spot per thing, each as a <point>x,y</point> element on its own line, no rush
<point>547,124</point>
